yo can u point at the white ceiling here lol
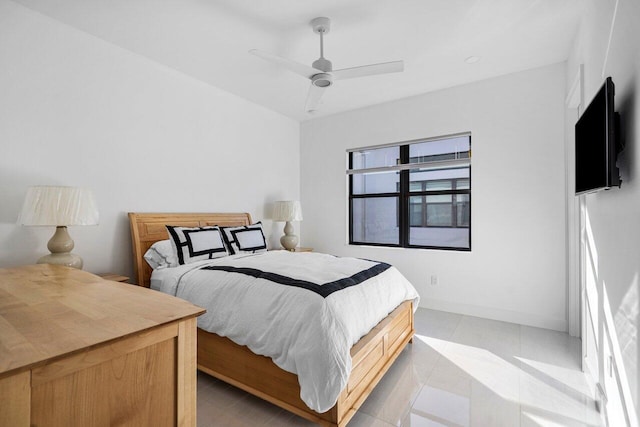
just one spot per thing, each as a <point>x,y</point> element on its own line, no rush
<point>209,40</point>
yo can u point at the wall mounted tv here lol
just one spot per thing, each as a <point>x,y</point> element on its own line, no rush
<point>597,147</point>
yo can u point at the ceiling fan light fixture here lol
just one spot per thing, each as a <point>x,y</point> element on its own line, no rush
<point>322,80</point>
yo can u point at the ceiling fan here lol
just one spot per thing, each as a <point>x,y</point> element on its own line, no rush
<point>321,72</point>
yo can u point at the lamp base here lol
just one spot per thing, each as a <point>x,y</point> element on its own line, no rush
<point>289,241</point>
<point>68,259</point>
<point>60,246</point>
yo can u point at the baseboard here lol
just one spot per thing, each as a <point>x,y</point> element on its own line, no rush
<point>520,318</point>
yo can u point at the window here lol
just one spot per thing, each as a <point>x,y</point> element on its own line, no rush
<point>415,194</point>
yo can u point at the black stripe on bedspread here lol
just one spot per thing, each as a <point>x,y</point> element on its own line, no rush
<point>323,290</point>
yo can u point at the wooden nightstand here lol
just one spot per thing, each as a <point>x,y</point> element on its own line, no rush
<point>114,277</point>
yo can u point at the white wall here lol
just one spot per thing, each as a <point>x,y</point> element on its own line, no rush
<point>516,269</point>
<point>75,110</point>
<point>608,44</point>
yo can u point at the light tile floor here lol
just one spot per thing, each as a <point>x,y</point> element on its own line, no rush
<point>459,371</point>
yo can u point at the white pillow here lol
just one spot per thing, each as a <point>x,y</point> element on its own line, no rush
<point>196,244</point>
<point>160,255</point>
<point>245,239</point>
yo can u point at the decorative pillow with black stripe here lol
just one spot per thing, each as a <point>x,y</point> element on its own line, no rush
<point>196,244</point>
<point>245,239</point>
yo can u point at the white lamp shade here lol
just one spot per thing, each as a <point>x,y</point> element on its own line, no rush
<point>286,210</point>
<point>58,206</point>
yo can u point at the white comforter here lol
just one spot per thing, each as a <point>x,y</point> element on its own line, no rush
<point>302,331</point>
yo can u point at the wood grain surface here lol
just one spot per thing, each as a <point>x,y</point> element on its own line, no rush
<point>78,350</point>
<point>48,311</point>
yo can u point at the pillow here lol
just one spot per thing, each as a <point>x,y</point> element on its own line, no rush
<point>245,239</point>
<point>160,255</point>
<point>196,244</point>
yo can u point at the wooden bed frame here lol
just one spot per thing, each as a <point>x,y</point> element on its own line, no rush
<point>237,365</point>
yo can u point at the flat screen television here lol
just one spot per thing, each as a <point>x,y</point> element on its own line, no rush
<point>597,143</point>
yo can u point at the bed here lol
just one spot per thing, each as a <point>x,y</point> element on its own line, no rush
<point>220,357</point>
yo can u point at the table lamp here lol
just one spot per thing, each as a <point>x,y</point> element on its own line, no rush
<point>288,211</point>
<point>59,207</point>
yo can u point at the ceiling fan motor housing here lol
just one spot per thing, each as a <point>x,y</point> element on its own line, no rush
<point>322,80</point>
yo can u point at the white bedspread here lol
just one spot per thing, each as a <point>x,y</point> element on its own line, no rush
<point>302,331</point>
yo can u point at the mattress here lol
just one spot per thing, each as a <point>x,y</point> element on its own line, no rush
<point>303,310</point>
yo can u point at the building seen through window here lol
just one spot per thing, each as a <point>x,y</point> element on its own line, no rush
<point>415,194</point>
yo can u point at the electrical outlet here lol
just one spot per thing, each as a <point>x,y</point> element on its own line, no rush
<point>434,280</point>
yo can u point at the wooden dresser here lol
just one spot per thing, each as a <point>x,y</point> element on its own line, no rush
<point>77,350</point>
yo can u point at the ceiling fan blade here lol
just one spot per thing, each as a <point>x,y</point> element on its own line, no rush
<point>296,67</point>
<point>369,70</point>
<point>313,97</point>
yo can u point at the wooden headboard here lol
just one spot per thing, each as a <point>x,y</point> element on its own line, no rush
<point>148,228</point>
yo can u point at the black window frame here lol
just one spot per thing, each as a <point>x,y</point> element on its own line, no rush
<point>403,196</point>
